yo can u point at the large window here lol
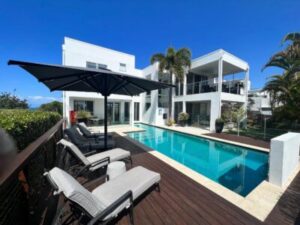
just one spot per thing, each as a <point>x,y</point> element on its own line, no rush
<point>136,111</point>
<point>92,65</point>
<point>163,94</point>
<point>178,109</point>
<point>126,112</point>
<point>82,105</point>
<point>117,112</point>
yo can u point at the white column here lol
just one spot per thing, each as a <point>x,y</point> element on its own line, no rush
<point>173,95</point>
<point>184,84</point>
<point>246,89</point>
<point>220,81</point>
<point>214,112</point>
<point>183,106</point>
<point>220,74</point>
<point>246,84</point>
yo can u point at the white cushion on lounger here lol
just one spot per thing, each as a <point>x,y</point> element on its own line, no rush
<point>137,180</point>
<point>76,192</point>
<point>113,154</point>
<point>75,150</point>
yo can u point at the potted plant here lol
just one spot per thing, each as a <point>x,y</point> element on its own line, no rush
<point>219,125</point>
<point>183,118</point>
<point>83,116</point>
<point>170,122</point>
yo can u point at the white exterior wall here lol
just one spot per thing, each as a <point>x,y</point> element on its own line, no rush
<point>284,157</point>
<point>261,102</point>
<point>154,115</point>
<point>78,53</point>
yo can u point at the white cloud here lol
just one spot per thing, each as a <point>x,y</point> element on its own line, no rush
<point>37,100</point>
<point>43,98</point>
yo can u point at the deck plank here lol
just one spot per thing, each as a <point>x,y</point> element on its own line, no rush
<point>182,201</point>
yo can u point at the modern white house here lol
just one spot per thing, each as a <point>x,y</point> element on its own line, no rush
<point>259,102</point>
<point>213,81</point>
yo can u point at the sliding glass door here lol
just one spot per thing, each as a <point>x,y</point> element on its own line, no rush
<point>113,112</point>
<point>136,111</point>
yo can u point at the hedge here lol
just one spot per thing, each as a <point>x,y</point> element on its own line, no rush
<point>25,126</point>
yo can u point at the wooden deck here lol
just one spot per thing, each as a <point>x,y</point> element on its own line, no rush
<point>183,201</point>
<point>241,139</point>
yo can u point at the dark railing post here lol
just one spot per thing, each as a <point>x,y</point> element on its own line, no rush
<point>105,122</point>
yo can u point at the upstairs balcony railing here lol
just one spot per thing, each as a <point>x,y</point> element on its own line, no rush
<point>206,86</point>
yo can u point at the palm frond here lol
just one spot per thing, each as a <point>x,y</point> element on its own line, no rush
<point>157,58</point>
<point>278,60</point>
<point>183,57</point>
<point>178,71</point>
<point>294,37</point>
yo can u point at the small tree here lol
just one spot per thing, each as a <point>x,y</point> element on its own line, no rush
<point>183,117</point>
<point>10,101</point>
<point>238,114</point>
<point>54,106</point>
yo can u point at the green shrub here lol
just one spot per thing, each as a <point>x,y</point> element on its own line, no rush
<point>83,114</point>
<point>183,116</point>
<point>170,122</point>
<point>25,126</point>
<point>219,121</point>
<point>54,106</point>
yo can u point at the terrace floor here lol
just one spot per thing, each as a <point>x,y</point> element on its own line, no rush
<point>241,139</point>
<point>183,201</point>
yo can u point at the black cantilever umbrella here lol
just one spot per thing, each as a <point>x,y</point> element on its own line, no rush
<point>103,81</point>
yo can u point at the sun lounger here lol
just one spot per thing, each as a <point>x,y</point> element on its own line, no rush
<point>82,128</point>
<point>95,161</point>
<point>87,145</point>
<point>106,201</point>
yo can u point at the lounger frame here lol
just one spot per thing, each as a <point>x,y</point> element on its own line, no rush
<point>80,214</point>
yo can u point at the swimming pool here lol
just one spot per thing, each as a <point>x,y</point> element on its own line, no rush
<point>237,168</point>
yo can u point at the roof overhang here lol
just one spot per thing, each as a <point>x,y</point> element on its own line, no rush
<point>208,64</point>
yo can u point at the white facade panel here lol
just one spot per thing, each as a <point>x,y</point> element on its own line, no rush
<point>78,53</point>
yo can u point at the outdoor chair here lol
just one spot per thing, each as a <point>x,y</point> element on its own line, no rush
<point>88,134</point>
<point>92,162</point>
<point>106,202</point>
<point>86,145</point>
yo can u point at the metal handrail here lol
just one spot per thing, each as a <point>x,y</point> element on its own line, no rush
<point>206,86</point>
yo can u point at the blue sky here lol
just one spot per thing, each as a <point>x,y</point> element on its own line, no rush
<point>33,30</point>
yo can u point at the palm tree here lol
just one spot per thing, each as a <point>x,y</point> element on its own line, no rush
<point>289,58</point>
<point>174,63</point>
<point>285,89</point>
<point>285,96</point>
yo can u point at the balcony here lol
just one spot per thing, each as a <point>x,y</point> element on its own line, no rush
<point>206,86</point>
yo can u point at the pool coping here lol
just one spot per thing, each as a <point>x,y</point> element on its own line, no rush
<point>258,203</point>
<point>213,138</point>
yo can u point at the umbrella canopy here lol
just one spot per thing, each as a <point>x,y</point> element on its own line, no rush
<point>103,81</point>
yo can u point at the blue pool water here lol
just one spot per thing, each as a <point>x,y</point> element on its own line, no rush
<point>237,168</point>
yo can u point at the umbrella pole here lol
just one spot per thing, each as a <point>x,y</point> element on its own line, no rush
<point>105,122</point>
